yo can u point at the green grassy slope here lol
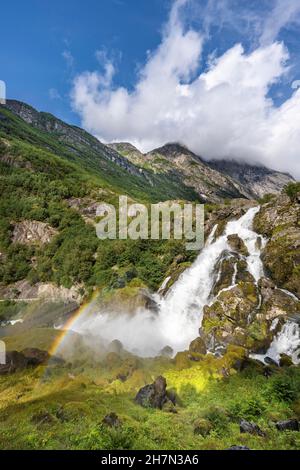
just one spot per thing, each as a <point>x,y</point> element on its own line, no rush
<point>77,146</point>
<point>63,408</point>
<point>39,175</point>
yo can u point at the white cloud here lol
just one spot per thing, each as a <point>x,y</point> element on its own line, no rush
<point>285,12</point>
<point>68,57</point>
<point>54,94</point>
<point>223,112</point>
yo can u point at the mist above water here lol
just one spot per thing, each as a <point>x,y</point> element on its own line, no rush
<point>179,314</point>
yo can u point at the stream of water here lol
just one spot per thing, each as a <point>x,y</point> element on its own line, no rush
<point>179,315</point>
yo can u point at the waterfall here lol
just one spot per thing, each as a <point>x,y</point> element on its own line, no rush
<point>287,342</point>
<point>179,315</point>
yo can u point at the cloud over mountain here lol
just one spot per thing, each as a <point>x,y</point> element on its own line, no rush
<point>223,110</point>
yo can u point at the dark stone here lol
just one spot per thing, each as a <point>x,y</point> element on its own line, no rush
<point>237,244</point>
<point>238,448</point>
<point>171,394</point>
<point>130,274</point>
<point>35,357</point>
<point>112,420</point>
<point>154,395</point>
<point>268,371</point>
<point>14,361</point>
<point>288,425</point>
<point>270,361</point>
<point>250,428</point>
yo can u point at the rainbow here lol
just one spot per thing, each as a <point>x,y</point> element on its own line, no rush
<point>67,326</point>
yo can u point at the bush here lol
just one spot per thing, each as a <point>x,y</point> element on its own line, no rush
<point>292,190</point>
<point>102,437</point>
<point>285,388</point>
<point>249,410</point>
<point>218,419</point>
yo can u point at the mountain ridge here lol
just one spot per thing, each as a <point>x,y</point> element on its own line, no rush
<point>171,165</point>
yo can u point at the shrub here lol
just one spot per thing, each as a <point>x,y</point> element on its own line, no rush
<point>292,190</point>
<point>218,419</point>
<point>285,388</point>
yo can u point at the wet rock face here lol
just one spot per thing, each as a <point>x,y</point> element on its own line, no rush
<point>279,221</point>
<point>234,210</point>
<point>237,245</point>
<point>276,303</point>
<point>249,314</point>
<point>226,320</point>
<point>155,395</point>
<point>230,269</point>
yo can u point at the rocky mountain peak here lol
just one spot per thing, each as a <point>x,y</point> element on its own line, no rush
<point>258,180</point>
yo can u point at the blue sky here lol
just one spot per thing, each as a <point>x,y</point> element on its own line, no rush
<point>152,71</point>
<point>36,35</point>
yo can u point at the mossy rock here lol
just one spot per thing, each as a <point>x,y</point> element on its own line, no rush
<point>285,361</point>
<point>202,427</point>
<point>198,346</point>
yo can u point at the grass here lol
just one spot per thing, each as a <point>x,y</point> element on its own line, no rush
<point>62,408</point>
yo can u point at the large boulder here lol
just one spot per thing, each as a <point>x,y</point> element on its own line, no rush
<point>14,361</point>
<point>35,356</point>
<point>155,395</point>
<point>288,425</point>
<point>198,346</point>
<point>21,360</point>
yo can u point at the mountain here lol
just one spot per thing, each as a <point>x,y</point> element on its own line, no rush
<point>169,172</point>
<point>213,180</point>
<point>256,180</point>
<point>52,178</point>
<point>210,184</point>
<point>44,131</point>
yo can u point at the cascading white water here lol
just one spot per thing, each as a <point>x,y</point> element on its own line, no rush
<point>179,315</point>
<point>287,342</point>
